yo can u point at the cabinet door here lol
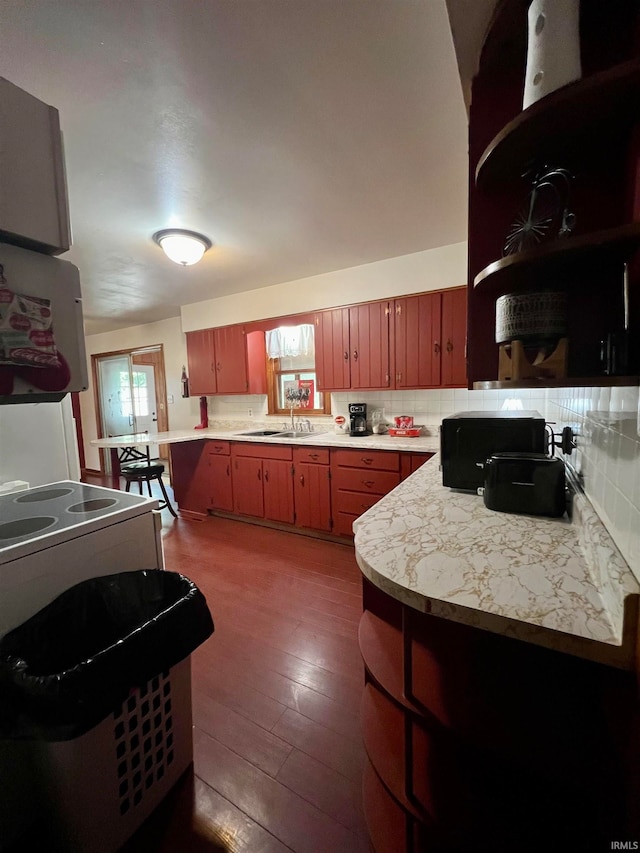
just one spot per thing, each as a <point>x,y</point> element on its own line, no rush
<point>369,337</point>
<point>247,486</point>
<point>221,494</point>
<point>256,362</point>
<point>33,201</point>
<point>454,337</point>
<point>312,496</point>
<point>190,476</point>
<point>332,350</point>
<point>278,490</point>
<point>201,360</point>
<point>417,341</point>
<point>410,462</point>
<point>231,360</point>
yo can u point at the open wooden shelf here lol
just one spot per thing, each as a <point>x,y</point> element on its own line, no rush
<point>613,244</point>
<point>582,112</point>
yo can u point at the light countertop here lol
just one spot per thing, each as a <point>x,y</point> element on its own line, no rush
<point>556,583</point>
<point>421,444</point>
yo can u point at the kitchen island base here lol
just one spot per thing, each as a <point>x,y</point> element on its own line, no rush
<point>481,742</point>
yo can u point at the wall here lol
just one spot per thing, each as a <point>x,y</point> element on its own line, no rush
<point>433,269</point>
<point>606,420</point>
<point>421,271</point>
<point>183,414</point>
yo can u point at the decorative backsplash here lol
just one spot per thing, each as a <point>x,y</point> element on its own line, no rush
<point>606,421</point>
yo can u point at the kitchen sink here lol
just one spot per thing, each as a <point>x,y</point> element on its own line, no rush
<point>276,433</point>
<point>262,432</point>
<point>296,434</point>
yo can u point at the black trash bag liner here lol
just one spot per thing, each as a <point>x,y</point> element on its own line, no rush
<point>66,668</point>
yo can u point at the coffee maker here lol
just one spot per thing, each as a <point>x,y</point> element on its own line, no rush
<point>358,419</point>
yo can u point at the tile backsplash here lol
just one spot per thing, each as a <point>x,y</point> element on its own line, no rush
<point>606,421</point>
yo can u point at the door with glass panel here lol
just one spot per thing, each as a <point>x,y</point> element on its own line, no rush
<point>127,397</point>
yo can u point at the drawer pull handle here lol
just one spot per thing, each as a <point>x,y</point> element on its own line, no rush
<point>436,347</point>
<point>266,476</point>
<point>368,483</point>
<point>355,355</point>
<point>366,459</point>
<point>302,479</point>
<point>346,355</point>
<point>259,474</point>
<point>313,456</point>
<point>449,346</point>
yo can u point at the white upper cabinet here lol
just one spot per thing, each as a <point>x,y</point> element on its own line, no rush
<point>33,194</point>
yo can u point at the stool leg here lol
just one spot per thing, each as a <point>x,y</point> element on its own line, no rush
<point>166,498</point>
<point>127,488</point>
<point>149,487</point>
<point>140,486</point>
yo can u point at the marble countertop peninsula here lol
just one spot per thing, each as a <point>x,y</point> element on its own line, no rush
<point>553,582</point>
<point>321,438</point>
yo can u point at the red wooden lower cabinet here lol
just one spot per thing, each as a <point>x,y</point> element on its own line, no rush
<point>220,482</point>
<point>359,478</point>
<point>277,482</point>
<point>312,489</point>
<point>315,488</point>
<point>479,742</point>
<point>190,477</point>
<point>263,481</point>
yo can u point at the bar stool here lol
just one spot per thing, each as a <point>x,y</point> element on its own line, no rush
<point>145,472</point>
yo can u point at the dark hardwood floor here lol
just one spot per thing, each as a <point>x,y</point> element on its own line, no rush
<point>278,755</point>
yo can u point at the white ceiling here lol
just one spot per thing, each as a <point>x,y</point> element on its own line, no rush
<point>301,136</point>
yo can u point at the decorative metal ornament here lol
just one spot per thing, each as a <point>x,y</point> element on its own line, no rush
<point>545,214</point>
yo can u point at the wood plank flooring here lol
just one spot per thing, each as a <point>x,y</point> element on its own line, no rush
<point>278,756</point>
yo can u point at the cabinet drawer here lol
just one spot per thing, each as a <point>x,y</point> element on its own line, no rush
<point>262,451</point>
<point>219,448</point>
<point>383,460</point>
<point>354,503</point>
<point>371,482</point>
<point>312,455</point>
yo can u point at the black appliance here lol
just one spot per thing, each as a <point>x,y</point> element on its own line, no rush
<point>531,483</point>
<point>358,419</point>
<point>468,439</point>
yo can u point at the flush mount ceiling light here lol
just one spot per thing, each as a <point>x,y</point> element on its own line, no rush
<point>181,246</point>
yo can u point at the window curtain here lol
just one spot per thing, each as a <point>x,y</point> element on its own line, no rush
<point>290,341</point>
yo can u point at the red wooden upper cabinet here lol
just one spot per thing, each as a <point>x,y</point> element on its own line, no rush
<point>430,339</point>
<point>352,347</point>
<point>332,349</point>
<point>454,337</point>
<point>226,360</point>
<point>418,345</point>
<point>369,338</point>
<point>231,360</point>
<point>202,363</point>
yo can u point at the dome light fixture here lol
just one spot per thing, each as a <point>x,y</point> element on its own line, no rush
<point>182,246</point>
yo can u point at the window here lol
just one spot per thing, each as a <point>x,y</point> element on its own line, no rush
<point>292,374</point>
<point>134,397</point>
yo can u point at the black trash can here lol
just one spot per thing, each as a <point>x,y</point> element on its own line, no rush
<point>95,704</point>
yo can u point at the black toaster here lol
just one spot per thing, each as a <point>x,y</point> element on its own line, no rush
<point>531,483</point>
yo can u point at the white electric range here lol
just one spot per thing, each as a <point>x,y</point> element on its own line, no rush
<point>54,536</point>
